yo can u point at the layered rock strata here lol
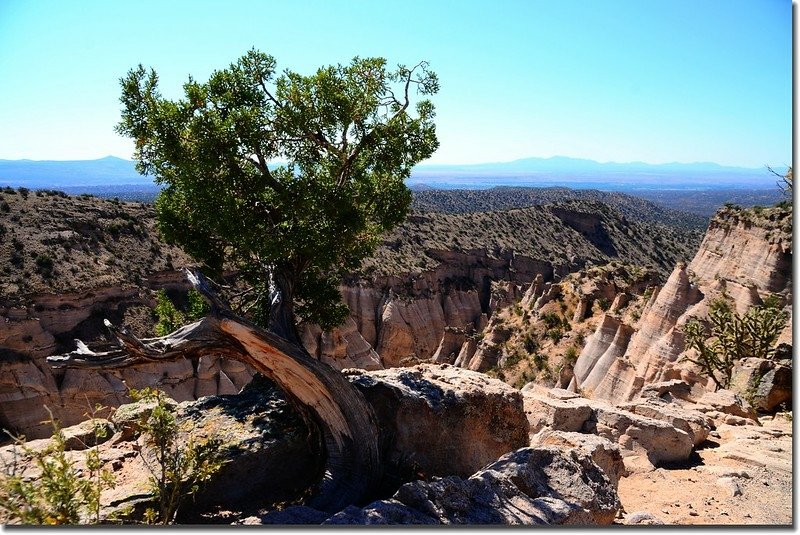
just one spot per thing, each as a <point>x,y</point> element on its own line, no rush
<point>744,256</point>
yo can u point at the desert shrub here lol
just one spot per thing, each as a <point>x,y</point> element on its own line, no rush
<point>198,307</point>
<point>24,192</point>
<point>529,342</point>
<point>540,361</point>
<point>4,206</point>
<point>177,470</point>
<point>551,320</point>
<point>571,356</point>
<point>733,337</point>
<point>61,494</point>
<point>44,264</point>
<point>603,304</point>
<point>169,317</point>
<point>580,338</point>
<point>555,334</point>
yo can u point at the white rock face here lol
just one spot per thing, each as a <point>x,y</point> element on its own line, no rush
<point>737,258</point>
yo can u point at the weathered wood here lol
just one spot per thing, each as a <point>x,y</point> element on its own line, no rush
<point>322,395</point>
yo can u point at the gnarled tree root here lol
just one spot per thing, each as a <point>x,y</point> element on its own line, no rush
<point>326,400</point>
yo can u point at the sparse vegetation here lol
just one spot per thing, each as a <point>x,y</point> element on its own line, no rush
<point>177,470</point>
<point>169,318</point>
<point>61,494</point>
<point>732,337</point>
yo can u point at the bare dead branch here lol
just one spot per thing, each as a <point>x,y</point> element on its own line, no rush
<point>322,395</point>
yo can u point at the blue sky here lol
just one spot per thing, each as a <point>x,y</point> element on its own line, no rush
<point>611,80</point>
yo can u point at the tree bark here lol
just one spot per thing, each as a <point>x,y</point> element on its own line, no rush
<point>281,312</point>
<point>322,395</point>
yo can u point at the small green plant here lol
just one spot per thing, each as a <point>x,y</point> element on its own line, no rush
<point>61,495</point>
<point>170,318</point>
<point>44,264</point>
<point>551,320</point>
<point>555,334</point>
<point>571,356</point>
<point>176,470</point>
<point>540,361</point>
<point>733,337</point>
<point>603,304</point>
<point>198,306</point>
<point>529,342</point>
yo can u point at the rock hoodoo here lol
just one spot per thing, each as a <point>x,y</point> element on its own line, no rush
<point>746,255</point>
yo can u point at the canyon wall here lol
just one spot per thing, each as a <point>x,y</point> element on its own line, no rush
<point>746,256</point>
<point>399,321</point>
<point>50,323</point>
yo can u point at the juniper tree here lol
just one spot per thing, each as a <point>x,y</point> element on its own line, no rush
<point>289,178</point>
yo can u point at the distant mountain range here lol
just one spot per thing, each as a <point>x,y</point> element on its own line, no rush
<point>555,171</point>
<point>56,174</point>
<point>563,164</point>
<point>581,173</point>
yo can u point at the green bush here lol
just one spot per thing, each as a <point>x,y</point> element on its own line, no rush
<point>178,469</point>
<point>61,494</point>
<point>571,356</point>
<point>551,320</point>
<point>555,334</point>
<point>169,318</point>
<point>44,264</point>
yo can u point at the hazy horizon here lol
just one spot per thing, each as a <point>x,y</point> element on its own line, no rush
<point>453,164</point>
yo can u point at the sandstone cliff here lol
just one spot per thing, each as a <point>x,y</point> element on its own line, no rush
<point>70,262</point>
<point>746,255</point>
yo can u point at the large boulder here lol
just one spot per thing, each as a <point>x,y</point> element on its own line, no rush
<point>545,410</point>
<point>530,486</point>
<point>264,445</point>
<point>443,420</point>
<point>766,383</point>
<point>658,440</point>
<point>728,407</point>
<point>696,424</point>
<point>604,453</point>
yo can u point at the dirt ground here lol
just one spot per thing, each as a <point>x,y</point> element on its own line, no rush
<point>742,476</point>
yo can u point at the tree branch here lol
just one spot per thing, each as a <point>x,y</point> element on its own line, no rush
<point>321,394</point>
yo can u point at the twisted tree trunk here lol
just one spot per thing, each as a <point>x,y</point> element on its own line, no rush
<point>325,399</point>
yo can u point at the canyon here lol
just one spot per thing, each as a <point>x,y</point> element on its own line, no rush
<point>549,353</point>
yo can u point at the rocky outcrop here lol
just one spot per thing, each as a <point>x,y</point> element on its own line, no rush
<point>604,453</point>
<point>766,383</point>
<point>434,420</point>
<point>656,440</point>
<point>745,255</point>
<point>529,486</point>
<point>471,418</point>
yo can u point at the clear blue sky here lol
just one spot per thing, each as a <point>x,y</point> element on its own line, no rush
<point>611,80</point>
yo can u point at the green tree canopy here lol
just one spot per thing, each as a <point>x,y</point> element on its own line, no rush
<point>291,179</point>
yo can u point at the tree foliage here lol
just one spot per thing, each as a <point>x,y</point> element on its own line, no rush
<point>291,178</point>
<point>785,181</point>
<point>733,337</point>
<point>169,318</point>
